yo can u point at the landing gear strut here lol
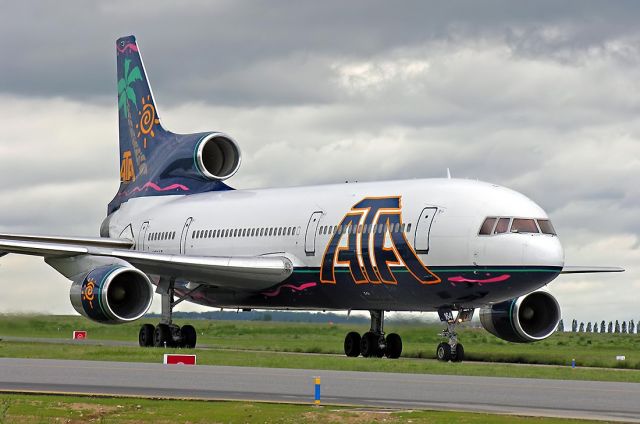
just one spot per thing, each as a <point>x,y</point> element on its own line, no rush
<point>452,350</point>
<point>168,334</point>
<point>373,343</point>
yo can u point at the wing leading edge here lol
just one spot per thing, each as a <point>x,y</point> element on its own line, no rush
<point>247,273</point>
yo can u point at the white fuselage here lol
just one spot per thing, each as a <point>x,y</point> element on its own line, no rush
<point>441,221</point>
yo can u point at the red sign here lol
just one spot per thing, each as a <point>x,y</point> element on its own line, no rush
<point>79,335</point>
<point>175,359</point>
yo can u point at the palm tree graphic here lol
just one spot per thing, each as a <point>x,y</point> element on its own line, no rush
<point>125,92</point>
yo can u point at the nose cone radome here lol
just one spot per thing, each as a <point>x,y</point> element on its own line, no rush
<point>544,250</point>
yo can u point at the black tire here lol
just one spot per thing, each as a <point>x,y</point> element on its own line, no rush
<point>145,337</point>
<point>352,344</point>
<point>443,352</point>
<point>369,345</point>
<point>394,346</point>
<point>459,356</point>
<point>162,336</point>
<point>188,336</point>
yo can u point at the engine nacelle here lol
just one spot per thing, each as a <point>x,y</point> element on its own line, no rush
<point>112,294</point>
<point>525,319</point>
<point>217,156</point>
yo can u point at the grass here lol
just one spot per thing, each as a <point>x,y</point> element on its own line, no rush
<point>22,408</point>
<point>589,350</point>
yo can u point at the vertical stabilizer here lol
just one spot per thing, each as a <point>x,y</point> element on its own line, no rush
<point>154,161</point>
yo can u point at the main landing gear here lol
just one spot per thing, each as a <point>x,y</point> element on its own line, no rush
<point>451,350</point>
<point>168,334</point>
<point>373,343</point>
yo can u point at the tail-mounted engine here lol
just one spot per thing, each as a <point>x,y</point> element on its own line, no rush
<point>525,319</point>
<point>112,294</point>
<point>217,156</point>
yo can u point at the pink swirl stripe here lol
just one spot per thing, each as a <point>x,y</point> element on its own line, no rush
<point>461,279</point>
<point>155,187</point>
<point>129,46</point>
<point>301,287</point>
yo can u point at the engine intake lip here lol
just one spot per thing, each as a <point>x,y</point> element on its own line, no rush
<point>136,297</point>
<point>539,302</point>
<point>217,156</point>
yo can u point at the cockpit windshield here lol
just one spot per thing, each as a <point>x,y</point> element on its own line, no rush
<point>520,225</point>
<point>499,225</point>
<point>546,227</point>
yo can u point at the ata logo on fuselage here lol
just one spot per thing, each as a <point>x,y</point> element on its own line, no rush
<point>375,243</point>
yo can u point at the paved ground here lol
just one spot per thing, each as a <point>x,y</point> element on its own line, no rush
<point>595,400</point>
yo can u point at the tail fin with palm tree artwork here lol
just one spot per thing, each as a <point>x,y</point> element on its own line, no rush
<point>154,161</point>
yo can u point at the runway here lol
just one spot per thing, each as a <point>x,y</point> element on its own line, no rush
<point>579,399</point>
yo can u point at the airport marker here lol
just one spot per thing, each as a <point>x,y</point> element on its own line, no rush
<point>316,400</point>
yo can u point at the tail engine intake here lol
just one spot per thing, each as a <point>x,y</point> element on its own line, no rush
<point>525,319</point>
<point>218,156</point>
<point>112,294</point>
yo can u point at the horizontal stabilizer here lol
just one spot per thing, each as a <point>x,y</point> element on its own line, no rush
<point>590,269</point>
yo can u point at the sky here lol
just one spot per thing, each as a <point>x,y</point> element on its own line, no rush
<point>541,97</point>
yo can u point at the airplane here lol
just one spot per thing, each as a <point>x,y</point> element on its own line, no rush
<point>445,245</point>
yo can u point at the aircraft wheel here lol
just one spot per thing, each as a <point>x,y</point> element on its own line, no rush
<point>352,344</point>
<point>145,337</point>
<point>394,346</point>
<point>189,336</point>
<point>369,344</point>
<point>162,336</point>
<point>443,352</point>
<point>459,356</point>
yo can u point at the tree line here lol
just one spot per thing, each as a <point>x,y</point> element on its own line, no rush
<point>626,327</point>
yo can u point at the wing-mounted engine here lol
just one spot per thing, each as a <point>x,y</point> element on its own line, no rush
<point>112,294</point>
<point>525,319</point>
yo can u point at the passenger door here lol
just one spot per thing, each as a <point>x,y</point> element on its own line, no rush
<point>310,236</point>
<point>423,229</point>
<point>142,236</point>
<point>185,235</point>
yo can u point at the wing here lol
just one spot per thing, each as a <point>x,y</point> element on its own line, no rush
<point>247,273</point>
<point>589,269</point>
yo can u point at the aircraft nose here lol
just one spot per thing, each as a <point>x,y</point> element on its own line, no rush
<point>544,250</point>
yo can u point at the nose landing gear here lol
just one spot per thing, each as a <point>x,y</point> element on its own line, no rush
<point>452,350</point>
<point>373,343</point>
<point>168,334</point>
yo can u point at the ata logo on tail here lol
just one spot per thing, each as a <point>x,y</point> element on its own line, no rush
<point>127,173</point>
<point>375,240</point>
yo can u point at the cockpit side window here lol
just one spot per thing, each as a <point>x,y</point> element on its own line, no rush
<point>487,226</point>
<point>520,225</point>
<point>546,227</point>
<point>502,226</point>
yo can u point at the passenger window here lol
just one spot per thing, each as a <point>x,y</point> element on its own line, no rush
<point>546,227</point>
<point>502,226</point>
<point>520,225</point>
<point>402,228</point>
<point>487,226</point>
<point>408,227</point>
